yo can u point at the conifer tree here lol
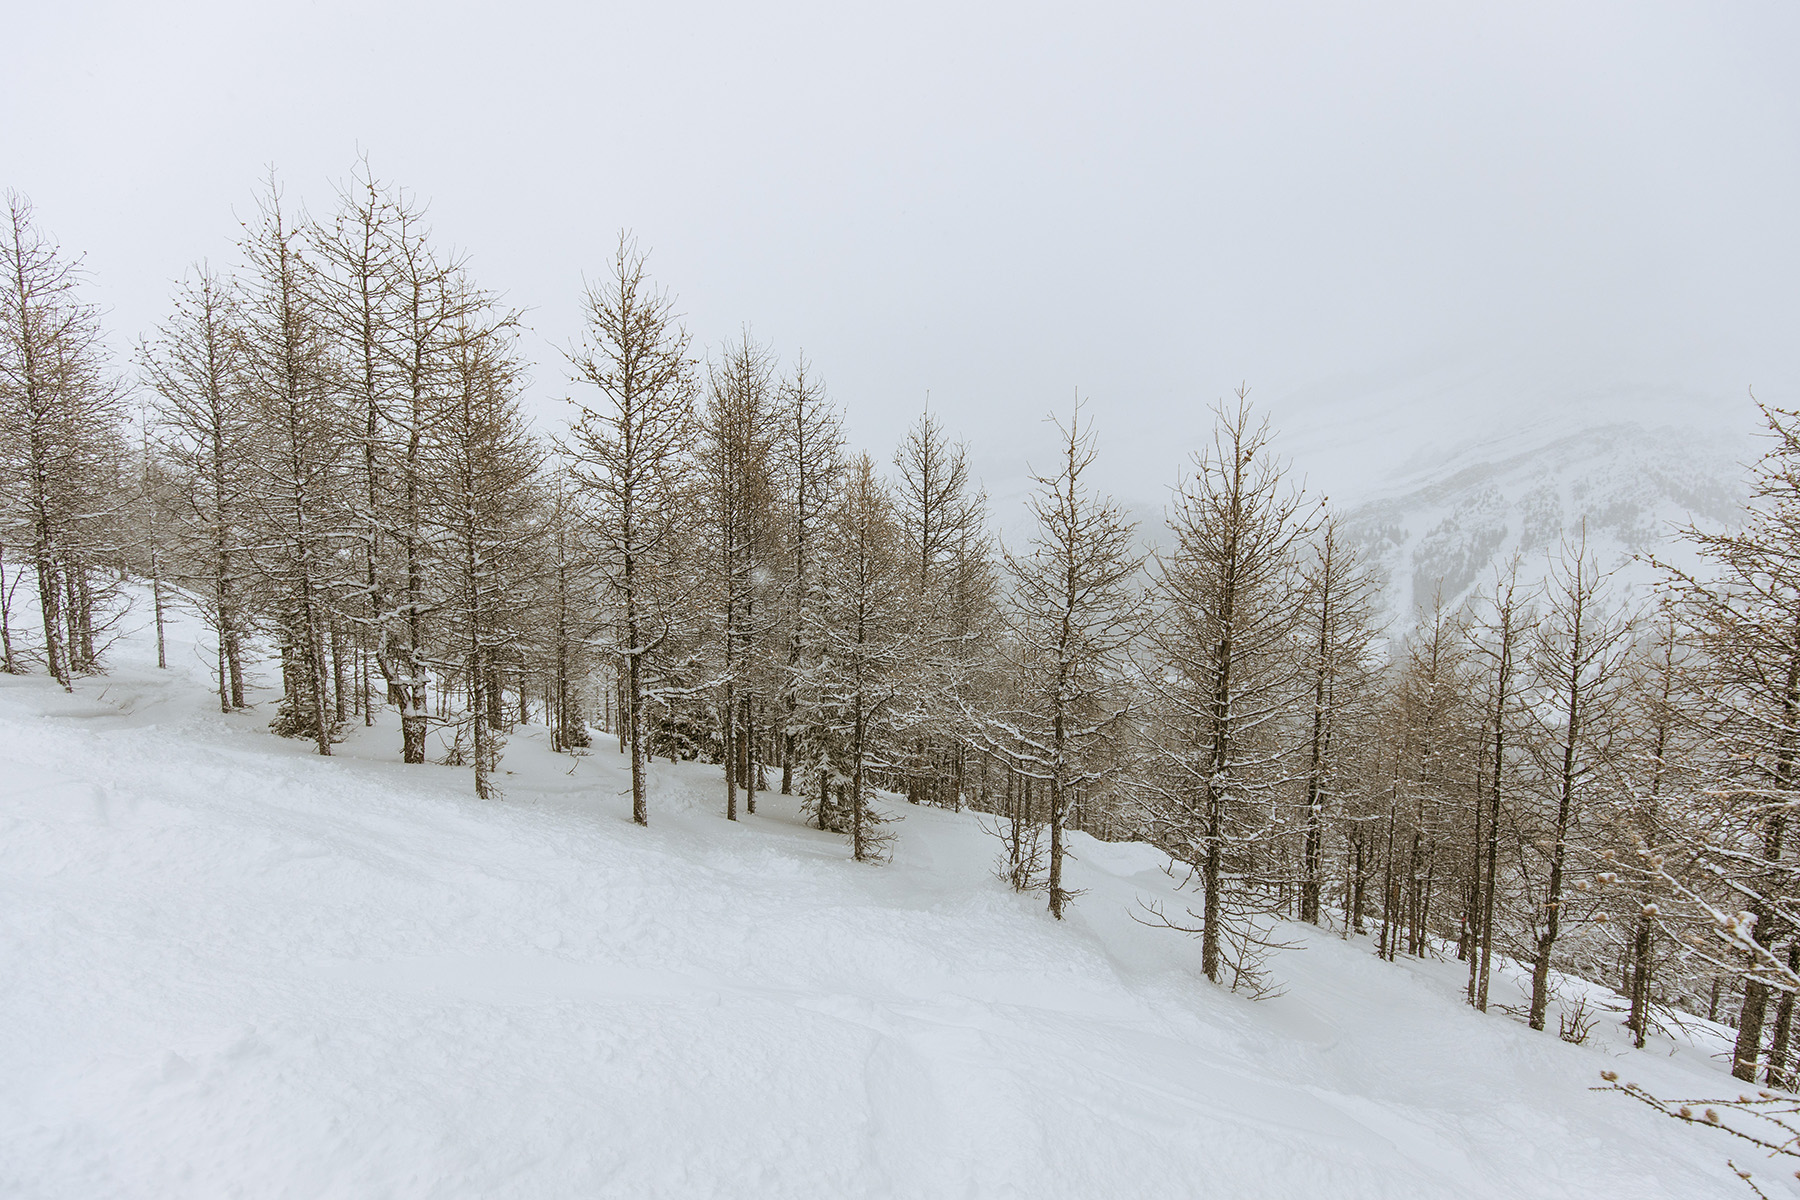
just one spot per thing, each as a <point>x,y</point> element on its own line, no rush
<point>61,436</point>
<point>394,309</point>
<point>865,653</point>
<point>1577,674</point>
<point>292,377</point>
<point>739,433</point>
<point>1426,749</point>
<point>576,611</point>
<point>1654,783</point>
<point>630,454</point>
<point>1420,756</point>
<point>484,510</point>
<point>943,522</point>
<point>206,431</point>
<point>1230,605</point>
<point>1073,610</point>
<point>1499,648</point>
<point>808,465</point>
<point>1743,610</point>
<point>1340,630</point>
<point>354,276</point>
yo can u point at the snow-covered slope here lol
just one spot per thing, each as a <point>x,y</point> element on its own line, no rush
<point>1452,521</point>
<point>1447,471</point>
<point>235,969</point>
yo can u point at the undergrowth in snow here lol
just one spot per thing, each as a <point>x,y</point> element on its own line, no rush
<point>233,968</point>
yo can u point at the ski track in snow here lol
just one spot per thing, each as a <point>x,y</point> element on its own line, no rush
<point>233,968</point>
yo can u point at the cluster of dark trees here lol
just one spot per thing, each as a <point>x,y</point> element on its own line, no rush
<point>322,453</point>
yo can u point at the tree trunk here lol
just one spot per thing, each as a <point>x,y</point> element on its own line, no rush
<point>1058,798</point>
<point>1640,981</point>
<point>746,751</point>
<point>727,727</point>
<point>1213,883</point>
<point>224,678</point>
<point>50,606</point>
<point>337,672</point>
<point>1756,995</point>
<point>634,716</point>
<point>1778,1074</point>
<point>156,600</point>
<point>856,788</point>
<point>81,617</point>
<point>1750,1027</point>
<point>478,707</point>
<point>1487,899</point>
<point>8,663</point>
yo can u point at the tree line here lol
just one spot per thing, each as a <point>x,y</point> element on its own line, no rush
<point>321,452</point>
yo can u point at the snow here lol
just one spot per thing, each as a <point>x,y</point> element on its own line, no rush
<point>233,968</point>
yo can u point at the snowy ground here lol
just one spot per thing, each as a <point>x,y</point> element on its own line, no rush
<point>231,968</point>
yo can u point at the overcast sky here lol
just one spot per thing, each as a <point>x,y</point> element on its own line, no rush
<point>1427,211</point>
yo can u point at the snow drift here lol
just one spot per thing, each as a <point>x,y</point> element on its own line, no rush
<point>234,968</point>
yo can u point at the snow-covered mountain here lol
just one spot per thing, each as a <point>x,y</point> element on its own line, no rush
<point>1445,472</point>
<point>1443,480</point>
<point>1451,524</point>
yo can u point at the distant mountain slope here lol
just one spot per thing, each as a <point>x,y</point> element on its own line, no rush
<point>1453,524</point>
<point>1452,516</point>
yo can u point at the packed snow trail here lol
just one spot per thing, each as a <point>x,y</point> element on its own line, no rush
<point>232,968</point>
